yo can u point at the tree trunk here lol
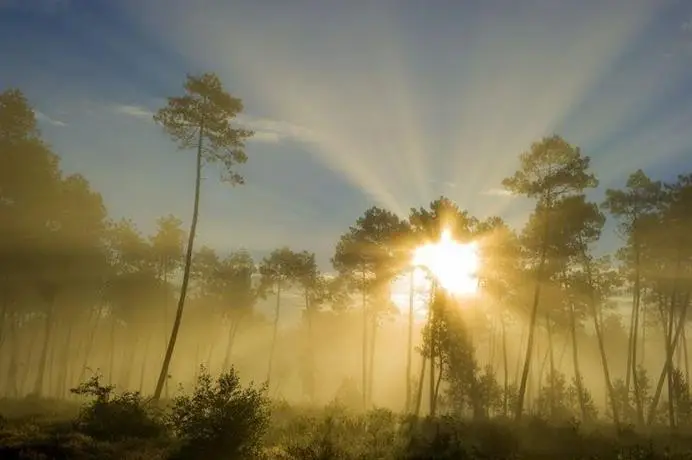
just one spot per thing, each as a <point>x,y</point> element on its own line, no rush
<point>66,362</point>
<point>364,369</point>
<point>409,349</point>
<point>636,307</point>
<point>371,366</point>
<point>532,321</point>
<point>517,366</point>
<point>419,392</point>
<point>163,376</point>
<point>505,398</point>
<point>604,362</point>
<point>670,350</point>
<point>599,336</point>
<point>143,370</point>
<point>431,336</point>
<point>311,357</point>
<point>111,364</point>
<point>437,386</point>
<point>575,362</point>
<point>43,359</point>
<point>277,312</point>
<point>685,356</point>
<point>32,348</point>
<point>165,312</point>
<point>659,386</point>
<point>229,346</point>
<point>90,346</point>
<point>552,364</point>
<point>11,383</point>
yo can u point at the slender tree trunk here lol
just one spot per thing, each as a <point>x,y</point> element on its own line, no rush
<point>49,384</point>
<point>562,354</point>
<point>685,356</point>
<point>364,369</point>
<point>670,350</point>
<point>659,386</point>
<point>275,332</point>
<point>643,347</point>
<point>371,367</point>
<point>604,363</point>
<point>145,359</point>
<point>505,398</point>
<point>549,330</point>
<point>636,307</point>
<point>13,341</point>
<point>630,348</point>
<point>437,385</point>
<point>90,345</point>
<point>163,376</point>
<point>534,381</point>
<point>43,359</point>
<point>575,362</point>
<point>311,357</point>
<point>210,349</point>
<point>533,318</point>
<point>599,336</point>
<point>517,366</point>
<point>3,315</point>
<point>541,371</point>
<point>419,392</point>
<point>229,346</point>
<point>165,313</point>
<point>431,333</point>
<point>409,348</point>
<point>66,362</point>
<point>111,364</point>
<point>32,346</point>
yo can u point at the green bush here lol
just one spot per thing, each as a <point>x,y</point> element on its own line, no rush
<point>114,417</point>
<point>221,419</point>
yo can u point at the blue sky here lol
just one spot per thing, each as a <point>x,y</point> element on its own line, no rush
<point>354,103</point>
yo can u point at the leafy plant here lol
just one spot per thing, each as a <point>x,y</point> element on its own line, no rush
<point>219,418</point>
<point>115,417</point>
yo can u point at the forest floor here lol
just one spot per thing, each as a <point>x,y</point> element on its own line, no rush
<point>33,428</point>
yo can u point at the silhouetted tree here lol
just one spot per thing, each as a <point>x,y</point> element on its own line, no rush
<point>630,207</point>
<point>551,169</point>
<point>370,255</point>
<point>200,120</point>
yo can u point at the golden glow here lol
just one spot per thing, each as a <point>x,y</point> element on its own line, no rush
<point>454,265</point>
<point>419,285</point>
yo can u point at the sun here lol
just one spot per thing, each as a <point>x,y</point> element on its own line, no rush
<point>453,264</point>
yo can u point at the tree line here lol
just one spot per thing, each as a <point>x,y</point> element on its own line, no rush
<point>69,273</point>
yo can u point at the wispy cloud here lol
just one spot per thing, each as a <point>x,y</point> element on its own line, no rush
<point>266,129</point>
<point>136,111</point>
<point>42,117</point>
<point>497,192</point>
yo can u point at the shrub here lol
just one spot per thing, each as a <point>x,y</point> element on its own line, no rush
<point>113,417</point>
<point>221,419</point>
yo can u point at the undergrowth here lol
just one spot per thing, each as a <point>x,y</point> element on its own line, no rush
<point>222,419</point>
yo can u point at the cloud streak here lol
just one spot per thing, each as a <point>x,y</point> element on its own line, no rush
<point>42,117</point>
<point>266,130</point>
<point>135,111</point>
